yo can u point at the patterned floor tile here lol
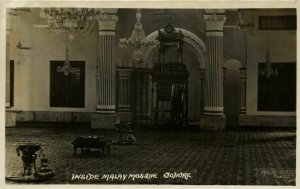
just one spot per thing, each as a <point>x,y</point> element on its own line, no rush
<point>211,158</point>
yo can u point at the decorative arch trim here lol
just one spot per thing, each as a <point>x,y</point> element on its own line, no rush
<point>236,60</point>
<point>193,40</point>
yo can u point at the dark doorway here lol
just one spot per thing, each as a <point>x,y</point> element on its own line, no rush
<point>11,83</point>
<point>67,90</point>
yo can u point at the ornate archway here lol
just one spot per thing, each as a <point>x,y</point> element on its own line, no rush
<point>142,82</point>
<point>196,44</point>
<point>197,49</point>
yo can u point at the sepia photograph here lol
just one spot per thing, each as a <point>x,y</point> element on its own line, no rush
<point>150,95</point>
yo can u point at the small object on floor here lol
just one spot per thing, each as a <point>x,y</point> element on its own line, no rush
<point>28,152</point>
<point>130,137</point>
<point>44,171</point>
<point>125,134</point>
<point>29,155</point>
<point>88,142</point>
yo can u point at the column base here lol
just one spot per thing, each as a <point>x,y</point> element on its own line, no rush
<point>103,120</point>
<point>243,110</point>
<point>106,109</point>
<point>213,123</point>
<point>213,111</point>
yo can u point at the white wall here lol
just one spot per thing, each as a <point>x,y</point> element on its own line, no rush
<point>32,67</point>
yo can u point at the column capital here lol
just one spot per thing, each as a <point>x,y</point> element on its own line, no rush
<point>214,22</point>
<point>107,24</point>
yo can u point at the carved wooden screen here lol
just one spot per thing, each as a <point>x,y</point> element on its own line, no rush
<point>124,89</point>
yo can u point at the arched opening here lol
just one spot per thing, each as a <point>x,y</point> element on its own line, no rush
<point>194,51</point>
<point>191,40</point>
<point>232,92</point>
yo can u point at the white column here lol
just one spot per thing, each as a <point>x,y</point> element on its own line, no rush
<point>243,72</point>
<point>106,81</point>
<point>214,63</point>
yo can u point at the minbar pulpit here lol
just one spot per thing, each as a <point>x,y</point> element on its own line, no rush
<point>170,81</point>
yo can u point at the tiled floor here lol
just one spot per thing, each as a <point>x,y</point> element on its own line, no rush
<point>210,158</point>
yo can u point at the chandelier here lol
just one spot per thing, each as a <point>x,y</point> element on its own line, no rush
<point>136,44</point>
<point>67,68</point>
<point>70,20</point>
<point>268,69</point>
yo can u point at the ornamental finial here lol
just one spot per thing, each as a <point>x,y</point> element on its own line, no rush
<point>138,15</point>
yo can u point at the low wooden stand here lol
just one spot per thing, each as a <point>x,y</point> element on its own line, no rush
<point>88,142</point>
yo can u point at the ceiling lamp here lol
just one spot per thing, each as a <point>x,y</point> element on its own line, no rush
<point>136,44</point>
<point>70,20</point>
<point>268,69</point>
<point>67,68</point>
